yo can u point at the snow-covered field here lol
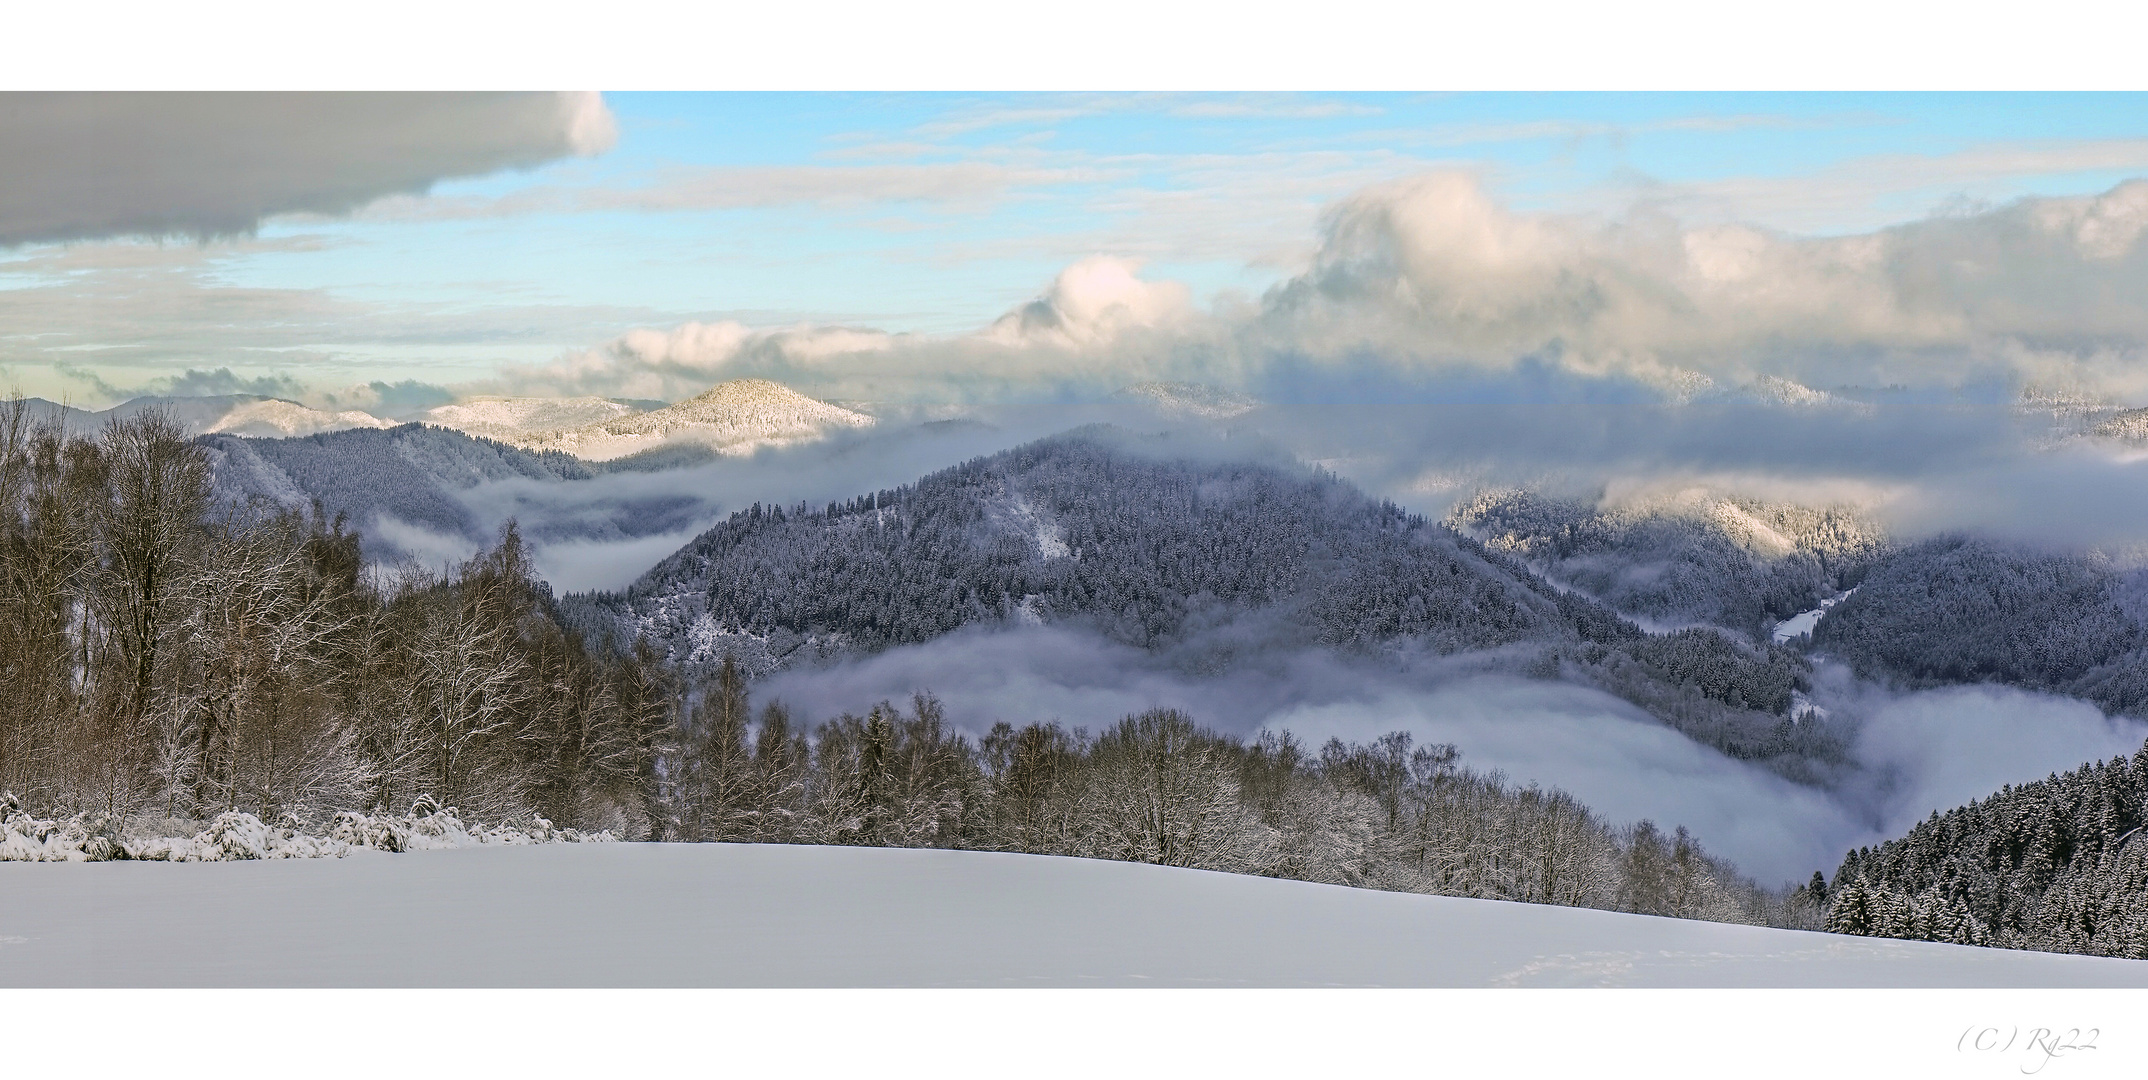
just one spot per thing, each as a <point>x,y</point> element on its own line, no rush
<point>682,915</point>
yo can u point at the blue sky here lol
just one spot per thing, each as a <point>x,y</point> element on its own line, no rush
<point>936,213</point>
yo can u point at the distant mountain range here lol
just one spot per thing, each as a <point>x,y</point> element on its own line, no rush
<point>1942,612</point>
<point>248,415</point>
<point>513,419</point>
<point>409,475</point>
<point>736,417</point>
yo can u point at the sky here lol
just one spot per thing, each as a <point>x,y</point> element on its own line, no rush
<point>887,246</point>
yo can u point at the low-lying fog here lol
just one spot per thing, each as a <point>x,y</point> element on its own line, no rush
<point>1918,752</point>
<point>1913,467</point>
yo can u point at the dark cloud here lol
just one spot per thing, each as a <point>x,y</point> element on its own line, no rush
<point>394,401</point>
<point>78,166</point>
<point>222,381</point>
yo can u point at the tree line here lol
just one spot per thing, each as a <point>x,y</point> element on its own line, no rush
<point>2056,865</point>
<point>164,654</point>
<point>1159,788</point>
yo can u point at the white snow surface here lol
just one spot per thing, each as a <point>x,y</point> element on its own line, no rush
<point>722,915</point>
<point>732,418</point>
<point>1802,623</point>
<point>236,835</point>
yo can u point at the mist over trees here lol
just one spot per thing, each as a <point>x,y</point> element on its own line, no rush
<point>419,475</point>
<point>1733,563</point>
<point>1210,560</point>
<point>1157,787</point>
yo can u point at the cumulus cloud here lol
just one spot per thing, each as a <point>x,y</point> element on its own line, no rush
<point>1093,302</point>
<point>79,166</point>
<point>396,400</point>
<point>1097,326</point>
<point>1433,271</point>
<point>687,359</point>
<point>1430,289</point>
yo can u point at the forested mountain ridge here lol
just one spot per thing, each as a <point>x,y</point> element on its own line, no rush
<point>407,472</point>
<point>1960,610</point>
<point>1158,544</point>
<point>1694,557</point>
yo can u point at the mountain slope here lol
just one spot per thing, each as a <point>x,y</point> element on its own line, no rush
<point>1961,610</point>
<point>409,474</point>
<point>1691,557</point>
<point>735,417</point>
<point>1147,543</point>
<point>515,419</point>
<point>249,415</point>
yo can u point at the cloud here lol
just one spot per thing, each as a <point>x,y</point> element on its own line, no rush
<point>406,398</point>
<point>2075,497</point>
<point>1617,760</point>
<point>1081,337</point>
<point>1915,752</point>
<point>190,383</point>
<point>1433,272</point>
<point>1430,289</point>
<point>689,358</point>
<point>82,166</point>
<point>1939,749</point>
<point>193,383</point>
<point>134,313</point>
<point>1093,302</point>
<point>1264,108</point>
<point>759,187</point>
<point>1862,192</point>
<point>592,565</point>
<point>429,548</point>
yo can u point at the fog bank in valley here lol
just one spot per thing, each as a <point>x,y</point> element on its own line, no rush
<point>1916,752</point>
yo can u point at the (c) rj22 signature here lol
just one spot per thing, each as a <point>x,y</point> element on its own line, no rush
<point>2040,1045</point>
